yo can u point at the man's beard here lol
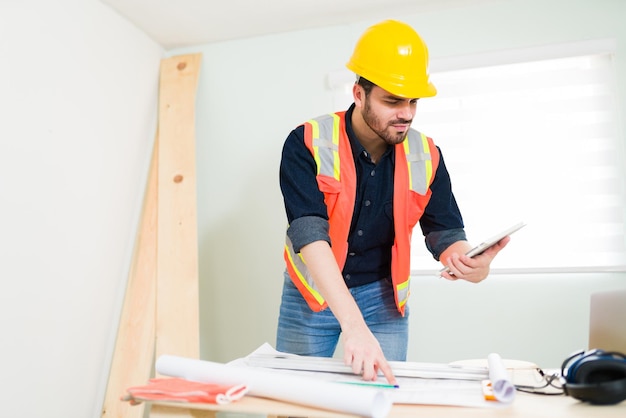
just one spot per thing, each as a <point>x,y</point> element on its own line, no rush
<point>383,132</point>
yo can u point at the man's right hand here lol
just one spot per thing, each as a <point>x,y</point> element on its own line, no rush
<point>361,349</point>
<point>362,352</point>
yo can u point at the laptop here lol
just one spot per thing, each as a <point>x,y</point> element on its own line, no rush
<point>607,321</point>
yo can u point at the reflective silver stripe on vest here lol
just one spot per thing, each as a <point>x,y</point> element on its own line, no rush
<point>403,291</point>
<point>419,161</point>
<point>325,133</point>
<point>302,271</point>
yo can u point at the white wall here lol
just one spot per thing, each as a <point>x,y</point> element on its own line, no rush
<point>78,89</point>
<point>253,92</point>
<point>78,98</point>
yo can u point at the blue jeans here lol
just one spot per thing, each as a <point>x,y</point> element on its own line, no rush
<point>302,331</point>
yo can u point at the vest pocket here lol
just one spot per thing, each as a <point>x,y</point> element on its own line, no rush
<point>417,204</point>
<point>331,188</point>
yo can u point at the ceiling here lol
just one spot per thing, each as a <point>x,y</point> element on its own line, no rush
<point>181,23</point>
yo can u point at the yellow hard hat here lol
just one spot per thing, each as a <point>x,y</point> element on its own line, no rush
<point>393,56</point>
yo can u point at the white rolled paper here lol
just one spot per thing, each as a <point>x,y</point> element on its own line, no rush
<point>367,402</point>
<point>503,387</point>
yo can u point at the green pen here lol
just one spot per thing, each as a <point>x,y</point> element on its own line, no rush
<point>373,384</point>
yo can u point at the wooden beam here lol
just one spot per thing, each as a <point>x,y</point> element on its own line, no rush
<point>133,358</point>
<point>177,317</point>
<point>160,314</point>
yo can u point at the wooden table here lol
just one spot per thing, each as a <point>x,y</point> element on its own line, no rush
<point>525,405</point>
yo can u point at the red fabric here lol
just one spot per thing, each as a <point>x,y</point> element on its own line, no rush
<point>181,390</point>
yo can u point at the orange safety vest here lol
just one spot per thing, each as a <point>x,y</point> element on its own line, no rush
<point>417,159</point>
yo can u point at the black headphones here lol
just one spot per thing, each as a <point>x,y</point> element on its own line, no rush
<point>595,376</point>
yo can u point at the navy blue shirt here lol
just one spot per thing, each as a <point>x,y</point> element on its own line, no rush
<point>371,231</point>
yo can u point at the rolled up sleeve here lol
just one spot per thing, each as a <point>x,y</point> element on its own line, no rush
<point>306,230</point>
<point>438,241</point>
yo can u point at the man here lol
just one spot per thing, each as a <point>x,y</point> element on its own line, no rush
<point>355,184</point>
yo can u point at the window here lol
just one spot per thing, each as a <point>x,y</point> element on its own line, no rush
<point>534,138</point>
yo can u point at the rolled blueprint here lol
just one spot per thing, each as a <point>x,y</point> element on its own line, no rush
<point>364,401</point>
<point>501,383</point>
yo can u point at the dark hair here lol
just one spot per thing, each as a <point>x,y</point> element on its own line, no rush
<point>366,84</point>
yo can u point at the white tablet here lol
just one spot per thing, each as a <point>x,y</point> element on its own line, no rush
<point>480,248</point>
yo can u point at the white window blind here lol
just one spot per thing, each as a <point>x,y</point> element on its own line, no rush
<point>535,141</point>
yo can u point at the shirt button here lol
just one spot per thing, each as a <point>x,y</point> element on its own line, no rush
<point>359,232</point>
<point>347,277</point>
<point>373,173</point>
<point>367,202</point>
